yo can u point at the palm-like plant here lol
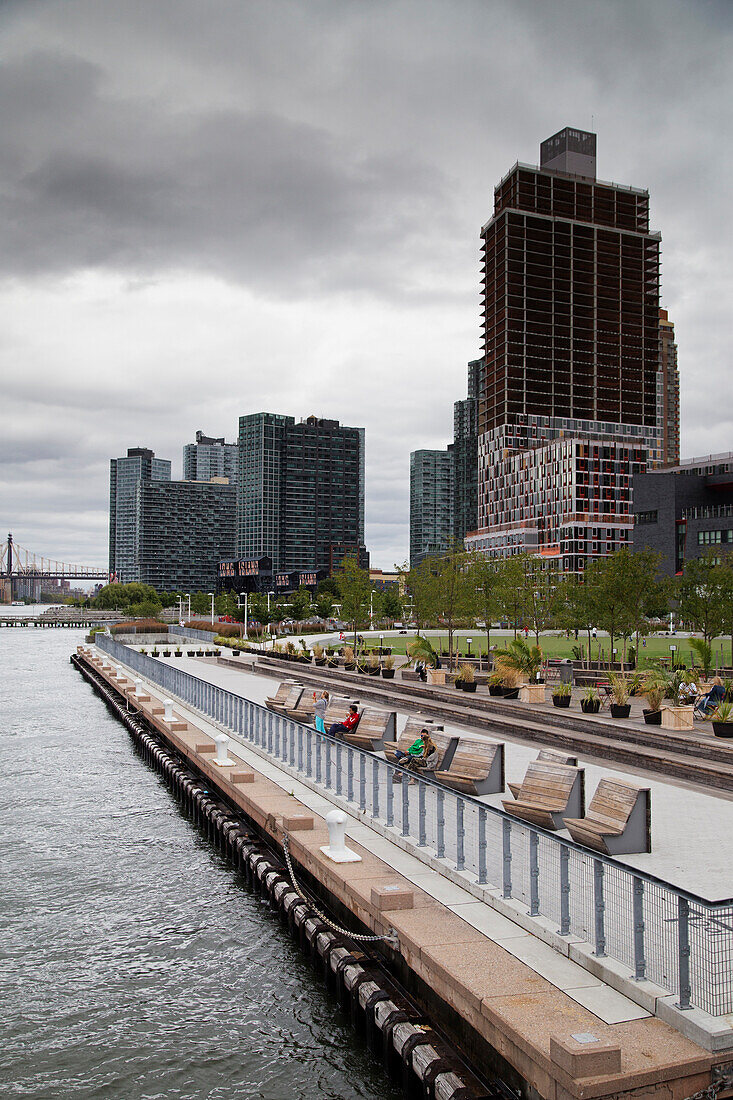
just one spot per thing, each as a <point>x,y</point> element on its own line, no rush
<point>619,689</point>
<point>519,657</point>
<point>703,650</point>
<point>420,649</point>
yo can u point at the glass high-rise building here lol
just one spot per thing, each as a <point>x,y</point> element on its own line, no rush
<point>431,504</point>
<point>125,474</point>
<point>301,492</point>
<point>209,457</point>
<point>568,383</point>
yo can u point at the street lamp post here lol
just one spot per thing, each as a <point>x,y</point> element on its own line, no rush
<point>212,606</point>
<point>381,639</point>
<point>246,610</point>
<point>468,643</point>
<point>188,597</point>
<point>371,608</point>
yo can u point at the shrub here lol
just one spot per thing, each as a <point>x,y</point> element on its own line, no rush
<point>466,673</point>
<point>139,626</point>
<point>562,691</point>
<point>226,630</point>
<point>619,689</point>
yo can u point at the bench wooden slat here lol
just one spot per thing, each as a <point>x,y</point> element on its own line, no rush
<point>618,821</point>
<point>549,792</point>
<point>477,767</point>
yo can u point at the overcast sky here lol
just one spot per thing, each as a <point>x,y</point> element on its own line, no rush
<point>215,207</point>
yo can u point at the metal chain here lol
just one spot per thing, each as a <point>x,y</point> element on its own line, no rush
<point>710,1093</point>
<point>390,937</point>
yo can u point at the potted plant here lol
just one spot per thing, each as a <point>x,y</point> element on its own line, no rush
<point>319,653</point>
<point>495,685</point>
<point>372,664</point>
<point>155,652</point>
<point>388,668</point>
<point>349,662</point>
<point>520,663</point>
<point>190,652</point>
<point>591,701</point>
<point>179,651</point>
<point>561,695</point>
<point>142,648</point>
<point>468,676</point>
<point>620,707</point>
<point>723,720</point>
<point>654,689</point>
<point>166,652</point>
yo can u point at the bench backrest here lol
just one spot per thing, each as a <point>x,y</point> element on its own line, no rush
<point>557,758</point>
<point>282,692</point>
<point>614,802</point>
<point>377,724</point>
<point>413,727</point>
<point>548,785</point>
<point>293,697</point>
<point>306,703</point>
<point>337,709</point>
<point>446,746</point>
<point>475,758</point>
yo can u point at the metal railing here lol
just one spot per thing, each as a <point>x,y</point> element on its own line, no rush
<point>676,939</point>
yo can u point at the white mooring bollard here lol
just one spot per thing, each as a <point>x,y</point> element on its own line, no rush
<point>167,710</point>
<point>336,848</point>
<point>222,756</point>
<point>138,687</point>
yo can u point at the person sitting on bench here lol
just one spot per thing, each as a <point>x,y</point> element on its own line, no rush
<point>707,703</point>
<point>349,724</point>
<point>419,755</point>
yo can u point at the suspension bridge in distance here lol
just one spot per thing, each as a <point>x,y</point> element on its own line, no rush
<point>19,565</point>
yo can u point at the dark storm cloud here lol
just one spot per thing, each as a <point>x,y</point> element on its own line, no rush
<point>92,182</point>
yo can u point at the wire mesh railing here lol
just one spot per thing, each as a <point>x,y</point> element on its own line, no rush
<point>681,942</point>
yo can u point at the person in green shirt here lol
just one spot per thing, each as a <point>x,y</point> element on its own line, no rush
<point>414,754</point>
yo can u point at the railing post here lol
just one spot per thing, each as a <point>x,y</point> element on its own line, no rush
<point>277,737</point>
<point>600,909</point>
<point>362,782</point>
<point>350,774</point>
<point>421,841</point>
<point>291,739</point>
<point>328,764</point>
<point>319,765</point>
<point>683,952</point>
<point>638,917</point>
<point>482,870</point>
<point>440,838</point>
<point>506,843</point>
<point>309,753</point>
<point>460,835</point>
<point>405,804</point>
<point>534,874</point>
<point>300,748</point>
<point>375,787</point>
<point>564,890</point>
<point>338,769</point>
<point>390,795</point>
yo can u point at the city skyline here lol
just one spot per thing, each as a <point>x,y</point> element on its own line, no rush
<point>281,208</point>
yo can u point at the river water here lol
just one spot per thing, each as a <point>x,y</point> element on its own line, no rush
<point>134,963</point>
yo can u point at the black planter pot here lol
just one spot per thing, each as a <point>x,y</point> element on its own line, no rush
<point>236,652</point>
<point>200,653</point>
<point>166,653</point>
<point>388,673</point>
<point>470,686</point>
<point>723,729</point>
<point>373,671</point>
<point>458,684</point>
<point>349,667</point>
<point>496,690</point>
<point>653,717</point>
<point>190,652</point>
<point>620,712</point>
<point>590,706</point>
<point>561,700</point>
<point>320,661</point>
<point>511,693</point>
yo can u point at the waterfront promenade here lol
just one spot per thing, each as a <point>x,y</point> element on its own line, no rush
<point>598,987</point>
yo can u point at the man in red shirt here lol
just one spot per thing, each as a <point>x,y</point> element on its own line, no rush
<point>349,723</point>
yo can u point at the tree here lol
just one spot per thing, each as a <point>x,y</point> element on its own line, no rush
<point>391,605</point>
<point>200,603</point>
<point>538,587</point>
<point>354,586</point>
<point>123,596</point>
<point>331,586</point>
<point>484,577</point>
<point>725,581</point>
<point>324,605</point>
<point>452,591</point>
<point>422,586</point>
<point>300,603</point>
<point>511,592</point>
<point>575,607</point>
<point>701,595</point>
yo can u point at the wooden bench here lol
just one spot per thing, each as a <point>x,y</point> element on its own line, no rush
<point>477,767</point>
<point>375,727</point>
<point>446,743</point>
<point>618,821</point>
<point>287,695</point>
<point>549,758</point>
<point>548,794</point>
<point>305,708</point>
<point>338,708</point>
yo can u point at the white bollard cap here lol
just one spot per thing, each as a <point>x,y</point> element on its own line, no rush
<point>336,849</point>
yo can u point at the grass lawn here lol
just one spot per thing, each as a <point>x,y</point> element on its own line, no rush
<point>557,645</point>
